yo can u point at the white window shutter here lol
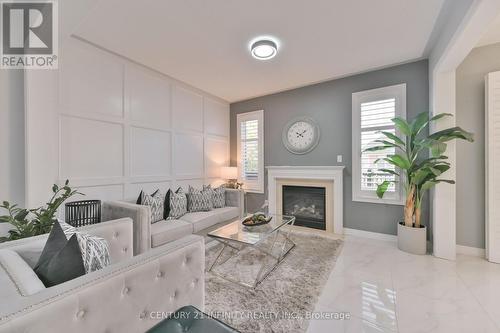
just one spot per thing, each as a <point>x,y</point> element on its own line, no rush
<point>493,166</point>
<point>372,113</point>
<point>250,147</point>
<point>375,117</point>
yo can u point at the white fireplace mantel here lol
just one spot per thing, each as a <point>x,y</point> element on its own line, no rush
<point>331,173</point>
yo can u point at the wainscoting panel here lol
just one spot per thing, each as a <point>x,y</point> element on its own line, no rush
<point>188,109</point>
<point>149,98</point>
<point>188,155</point>
<point>90,149</point>
<point>91,81</point>
<point>215,156</point>
<point>216,118</point>
<point>150,152</point>
<point>120,127</point>
<point>104,192</point>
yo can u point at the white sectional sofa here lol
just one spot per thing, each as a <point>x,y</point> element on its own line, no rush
<point>148,235</point>
<point>119,298</point>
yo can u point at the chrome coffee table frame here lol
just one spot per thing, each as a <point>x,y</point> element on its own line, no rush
<point>236,246</point>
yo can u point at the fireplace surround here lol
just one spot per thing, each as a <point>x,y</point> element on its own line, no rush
<point>328,177</point>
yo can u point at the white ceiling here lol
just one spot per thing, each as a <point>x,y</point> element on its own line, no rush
<point>205,43</point>
<point>492,35</point>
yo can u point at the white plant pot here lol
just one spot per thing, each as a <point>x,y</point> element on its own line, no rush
<point>412,240</point>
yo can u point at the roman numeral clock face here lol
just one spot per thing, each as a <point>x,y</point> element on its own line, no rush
<point>300,136</point>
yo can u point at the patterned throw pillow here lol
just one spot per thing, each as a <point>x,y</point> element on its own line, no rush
<point>155,202</point>
<point>139,198</point>
<point>218,195</point>
<point>199,201</point>
<point>178,204</point>
<point>95,250</point>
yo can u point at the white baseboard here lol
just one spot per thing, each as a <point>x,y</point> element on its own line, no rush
<point>370,234</point>
<point>461,249</point>
<point>471,251</point>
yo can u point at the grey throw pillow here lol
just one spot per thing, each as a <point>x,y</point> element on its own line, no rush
<point>94,249</point>
<point>61,259</point>
<point>218,195</point>
<point>178,204</point>
<point>156,202</point>
<point>199,200</point>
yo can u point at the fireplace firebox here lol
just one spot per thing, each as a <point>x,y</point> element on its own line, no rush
<point>307,204</point>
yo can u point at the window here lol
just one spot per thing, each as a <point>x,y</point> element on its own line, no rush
<point>251,150</point>
<point>372,111</point>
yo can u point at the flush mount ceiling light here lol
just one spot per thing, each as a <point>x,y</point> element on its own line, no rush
<point>264,49</point>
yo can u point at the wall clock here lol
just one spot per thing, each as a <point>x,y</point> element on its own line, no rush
<point>301,135</point>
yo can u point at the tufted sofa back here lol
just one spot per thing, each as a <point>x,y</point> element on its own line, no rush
<point>123,297</point>
<point>118,233</point>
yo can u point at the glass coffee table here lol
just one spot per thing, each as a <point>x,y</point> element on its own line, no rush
<point>271,242</point>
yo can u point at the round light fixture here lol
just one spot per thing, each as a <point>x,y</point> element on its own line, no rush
<point>264,49</point>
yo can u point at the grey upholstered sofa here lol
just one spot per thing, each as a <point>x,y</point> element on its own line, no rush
<point>126,296</point>
<point>147,235</point>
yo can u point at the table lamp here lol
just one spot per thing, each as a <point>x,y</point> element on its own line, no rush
<point>231,175</point>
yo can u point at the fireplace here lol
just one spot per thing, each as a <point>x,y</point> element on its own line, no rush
<point>307,204</point>
<point>328,178</point>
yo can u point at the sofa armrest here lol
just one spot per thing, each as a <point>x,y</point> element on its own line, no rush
<point>236,198</point>
<point>119,235</point>
<point>141,217</point>
<point>124,297</point>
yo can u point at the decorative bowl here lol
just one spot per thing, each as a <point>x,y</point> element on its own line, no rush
<point>256,219</point>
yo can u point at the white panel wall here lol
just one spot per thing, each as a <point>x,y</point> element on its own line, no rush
<point>104,192</point>
<point>216,122</point>
<point>150,152</point>
<point>122,127</point>
<point>90,149</point>
<point>188,155</point>
<point>149,95</point>
<point>91,83</point>
<point>188,109</point>
<point>215,156</point>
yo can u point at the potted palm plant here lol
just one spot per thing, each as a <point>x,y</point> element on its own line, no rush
<point>415,170</point>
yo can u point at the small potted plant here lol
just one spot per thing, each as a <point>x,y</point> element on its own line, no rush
<point>415,170</point>
<point>38,221</point>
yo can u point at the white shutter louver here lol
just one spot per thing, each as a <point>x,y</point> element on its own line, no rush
<point>375,117</point>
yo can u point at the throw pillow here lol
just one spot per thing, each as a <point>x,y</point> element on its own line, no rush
<point>139,199</point>
<point>156,202</point>
<point>166,204</point>
<point>61,259</point>
<point>178,204</point>
<point>95,250</point>
<point>218,195</point>
<point>199,200</point>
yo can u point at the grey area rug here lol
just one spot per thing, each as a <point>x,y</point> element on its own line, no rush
<point>282,301</point>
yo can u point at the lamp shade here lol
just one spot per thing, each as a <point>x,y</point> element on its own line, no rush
<point>229,173</point>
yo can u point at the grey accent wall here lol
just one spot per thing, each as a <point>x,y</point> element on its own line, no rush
<point>329,103</point>
<point>11,139</point>
<point>470,77</point>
